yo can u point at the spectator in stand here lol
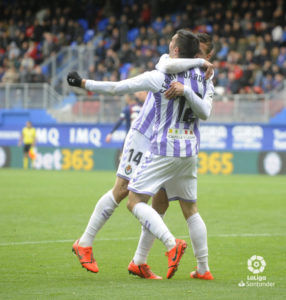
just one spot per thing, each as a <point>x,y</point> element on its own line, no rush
<point>248,36</point>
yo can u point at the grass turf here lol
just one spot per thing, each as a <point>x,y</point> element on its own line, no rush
<point>42,213</point>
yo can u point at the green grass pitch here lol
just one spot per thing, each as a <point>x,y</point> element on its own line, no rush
<point>43,212</point>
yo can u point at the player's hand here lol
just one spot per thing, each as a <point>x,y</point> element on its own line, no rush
<point>108,138</point>
<point>176,89</point>
<point>74,79</point>
<point>209,69</point>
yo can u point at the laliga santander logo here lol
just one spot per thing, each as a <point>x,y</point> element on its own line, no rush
<point>256,264</point>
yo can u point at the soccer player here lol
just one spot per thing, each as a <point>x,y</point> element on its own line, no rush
<point>196,225</point>
<point>28,139</point>
<point>129,113</point>
<point>109,201</point>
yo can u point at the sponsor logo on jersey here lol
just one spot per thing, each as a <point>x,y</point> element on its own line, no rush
<point>180,134</point>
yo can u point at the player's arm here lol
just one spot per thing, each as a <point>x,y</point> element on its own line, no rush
<point>148,81</point>
<point>116,126</point>
<point>177,65</point>
<point>200,106</point>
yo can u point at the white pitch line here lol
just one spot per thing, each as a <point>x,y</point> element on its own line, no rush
<point>222,235</point>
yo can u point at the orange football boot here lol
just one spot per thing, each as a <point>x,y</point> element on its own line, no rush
<point>206,276</point>
<point>85,257</point>
<point>174,257</point>
<point>142,271</point>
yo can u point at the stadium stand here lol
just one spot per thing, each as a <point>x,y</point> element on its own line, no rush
<point>129,36</point>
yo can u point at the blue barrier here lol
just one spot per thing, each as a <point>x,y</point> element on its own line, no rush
<point>220,137</point>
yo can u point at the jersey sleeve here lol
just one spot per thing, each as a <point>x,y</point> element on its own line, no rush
<point>200,106</point>
<point>177,65</point>
<point>148,81</point>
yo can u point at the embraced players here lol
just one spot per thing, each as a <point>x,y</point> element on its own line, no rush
<point>174,128</point>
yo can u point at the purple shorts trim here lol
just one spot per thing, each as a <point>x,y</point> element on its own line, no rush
<point>179,198</point>
<point>122,176</point>
<point>140,192</point>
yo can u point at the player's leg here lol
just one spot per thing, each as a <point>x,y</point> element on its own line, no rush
<point>160,203</point>
<point>110,200</point>
<point>26,156</point>
<point>198,235</point>
<point>103,210</point>
<point>147,180</point>
<point>106,205</point>
<point>138,266</point>
<point>184,188</point>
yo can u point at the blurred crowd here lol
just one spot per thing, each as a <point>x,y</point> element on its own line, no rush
<point>249,38</point>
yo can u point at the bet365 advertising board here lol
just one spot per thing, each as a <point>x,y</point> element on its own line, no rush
<point>225,149</point>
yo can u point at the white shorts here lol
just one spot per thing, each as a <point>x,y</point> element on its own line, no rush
<point>135,146</point>
<point>177,175</point>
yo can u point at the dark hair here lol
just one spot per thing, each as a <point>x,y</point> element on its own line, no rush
<point>206,39</point>
<point>187,43</point>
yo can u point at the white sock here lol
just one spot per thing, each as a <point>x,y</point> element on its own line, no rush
<point>152,221</point>
<point>103,210</point>
<point>144,246</point>
<point>198,235</point>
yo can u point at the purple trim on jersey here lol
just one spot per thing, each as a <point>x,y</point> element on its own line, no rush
<point>204,82</point>
<point>197,134</point>
<point>179,198</point>
<point>140,192</point>
<point>123,177</point>
<point>149,119</point>
<point>194,83</point>
<point>158,99</point>
<point>137,123</point>
<point>177,142</point>
<point>195,88</point>
<point>188,142</point>
<point>169,114</point>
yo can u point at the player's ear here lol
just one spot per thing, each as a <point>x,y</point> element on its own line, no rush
<point>176,51</point>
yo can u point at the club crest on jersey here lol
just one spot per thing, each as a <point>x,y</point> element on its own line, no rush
<point>128,170</point>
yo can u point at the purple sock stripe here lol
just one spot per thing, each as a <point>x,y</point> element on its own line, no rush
<point>147,225</point>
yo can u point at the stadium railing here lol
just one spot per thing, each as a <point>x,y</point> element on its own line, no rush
<point>28,96</point>
<point>84,108</point>
<point>69,58</point>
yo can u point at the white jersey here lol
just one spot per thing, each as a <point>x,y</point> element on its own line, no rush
<point>145,120</point>
<point>175,131</point>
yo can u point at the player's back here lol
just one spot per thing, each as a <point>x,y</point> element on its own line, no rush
<point>176,128</point>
